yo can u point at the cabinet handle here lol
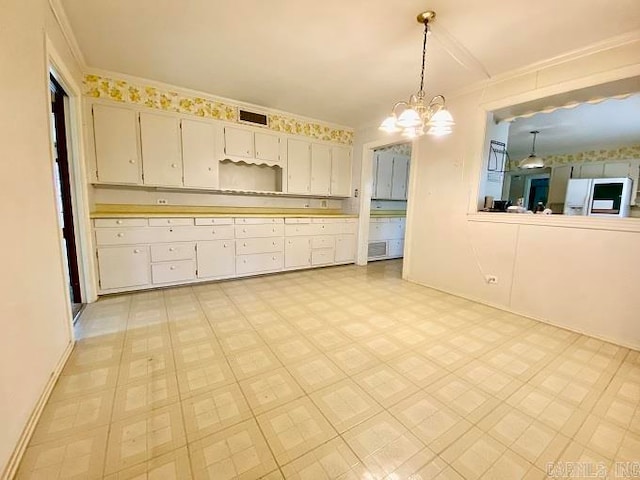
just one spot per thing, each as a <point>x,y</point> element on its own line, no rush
<point>225,245</point>
<point>119,222</point>
<point>213,232</point>
<point>174,165</point>
<point>172,267</point>
<point>248,152</point>
<point>120,235</point>
<point>244,244</point>
<point>273,230</point>
<point>274,244</point>
<point>132,161</point>
<point>244,230</point>
<point>210,169</point>
<point>273,258</point>
<point>257,153</point>
<point>171,249</point>
<point>169,221</point>
<point>244,261</point>
<point>136,250</point>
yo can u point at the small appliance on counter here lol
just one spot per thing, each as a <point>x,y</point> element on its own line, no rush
<point>600,197</point>
<point>500,205</point>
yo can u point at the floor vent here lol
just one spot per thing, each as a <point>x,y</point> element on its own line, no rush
<point>378,249</point>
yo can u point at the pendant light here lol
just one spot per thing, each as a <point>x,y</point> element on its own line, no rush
<point>417,116</point>
<point>532,161</point>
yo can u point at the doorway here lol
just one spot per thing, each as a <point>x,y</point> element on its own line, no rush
<point>536,191</point>
<point>62,175</point>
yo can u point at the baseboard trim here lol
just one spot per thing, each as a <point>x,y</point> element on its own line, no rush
<point>12,466</point>
<point>630,346</point>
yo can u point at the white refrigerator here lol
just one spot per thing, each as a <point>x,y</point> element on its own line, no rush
<point>599,197</point>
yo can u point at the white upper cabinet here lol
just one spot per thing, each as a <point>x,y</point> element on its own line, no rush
<point>340,171</point>
<point>299,166</point>
<point>384,174</point>
<point>161,150</point>
<point>244,143</point>
<point>267,147</point>
<point>116,145</point>
<point>399,177</point>
<point>238,142</point>
<point>589,170</point>
<point>320,169</point>
<point>198,154</point>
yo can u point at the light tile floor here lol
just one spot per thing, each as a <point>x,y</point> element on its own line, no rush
<point>342,372</point>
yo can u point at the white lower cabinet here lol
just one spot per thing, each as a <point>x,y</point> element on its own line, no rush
<point>170,272</point>
<point>386,238</point>
<point>345,248</point>
<point>216,259</point>
<point>144,253</point>
<point>122,267</point>
<point>297,252</point>
<point>259,263</point>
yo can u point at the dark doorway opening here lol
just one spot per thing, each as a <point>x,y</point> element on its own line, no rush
<point>538,193</point>
<point>63,191</point>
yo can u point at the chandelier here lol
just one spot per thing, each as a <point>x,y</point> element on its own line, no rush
<point>417,116</point>
<point>533,160</point>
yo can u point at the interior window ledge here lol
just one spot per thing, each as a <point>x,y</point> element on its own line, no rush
<point>560,221</point>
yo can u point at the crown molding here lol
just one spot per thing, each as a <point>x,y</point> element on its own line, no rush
<point>67,32</point>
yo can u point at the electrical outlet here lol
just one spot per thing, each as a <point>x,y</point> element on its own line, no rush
<point>306,205</point>
<point>491,279</point>
<point>323,204</point>
<point>162,201</point>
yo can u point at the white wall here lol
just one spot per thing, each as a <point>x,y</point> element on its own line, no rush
<point>569,275</point>
<point>34,312</point>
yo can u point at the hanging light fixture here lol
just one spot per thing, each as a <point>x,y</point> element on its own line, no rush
<point>532,161</point>
<point>417,117</point>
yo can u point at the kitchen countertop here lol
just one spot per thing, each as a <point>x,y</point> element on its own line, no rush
<point>388,213</point>
<point>137,211</point>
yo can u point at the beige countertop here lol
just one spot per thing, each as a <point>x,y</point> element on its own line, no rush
<point>137,211</point>
<point>388,213</point>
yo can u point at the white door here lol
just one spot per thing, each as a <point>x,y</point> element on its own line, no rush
<point>267,147</point>
<point>383,176</point>
<point>238,142</point>
<point>345,248</point>
<point>116,143</point>
<point>297,252</point>
<point>198,154</point>
<point>216,258</point>
<point>161,150</point>
<point>399,177</point>
<point>298,166</point>
<point>340,171</point>
<point>122,267</point>
<point>320,169</point>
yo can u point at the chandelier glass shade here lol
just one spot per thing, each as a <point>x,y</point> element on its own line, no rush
<point>418,116</point>
<point>533,160</point>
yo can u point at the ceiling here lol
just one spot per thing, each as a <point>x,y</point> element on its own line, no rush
<point>611,123</point>
<point>341,61</point>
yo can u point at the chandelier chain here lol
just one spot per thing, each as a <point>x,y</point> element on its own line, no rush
<point>424,55</point>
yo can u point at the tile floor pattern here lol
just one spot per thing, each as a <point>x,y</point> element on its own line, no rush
<point>336,373</point>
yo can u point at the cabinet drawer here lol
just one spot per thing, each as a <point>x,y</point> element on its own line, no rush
<point>122,236</point>
<point>325,256</point>
<point>349,227</point>
<point>173,271</point>
<point>259,245</point>
<point>297,220</point>
<point>323,242</point>
<point>296,230</point>
<point>327,220</point>
<point>214,221</point>
<point>192,234</point>
<point>120,222</point>
<point>258,220</point>
<point>165,252</point>
<point>259,263</point>
<point>268,230</point>
<point>161,222</point>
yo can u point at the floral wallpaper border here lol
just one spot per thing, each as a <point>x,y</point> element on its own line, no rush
<point>96,86</point>
<point>616,154</point>
<point>399,149</point>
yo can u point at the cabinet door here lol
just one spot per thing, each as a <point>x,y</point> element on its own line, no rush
<point>345,248</point>
<point>320,169</point>
<point>116,142</point>
<point>298,166</point>
<point>383,176</point>
<point>122,267</point>
<point>396,248</point>
<point>617,170</point>
<point>297,252</point>
<point>399,177</point>
<point>558,187</point>
<point>267,147</point>
<point>590,170</point>
<point>238,142</point>
<point>161,150</point>
<point>340,171</point>
<point>216,258</point>
<point>198,154</point>
<point>374,175</point>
